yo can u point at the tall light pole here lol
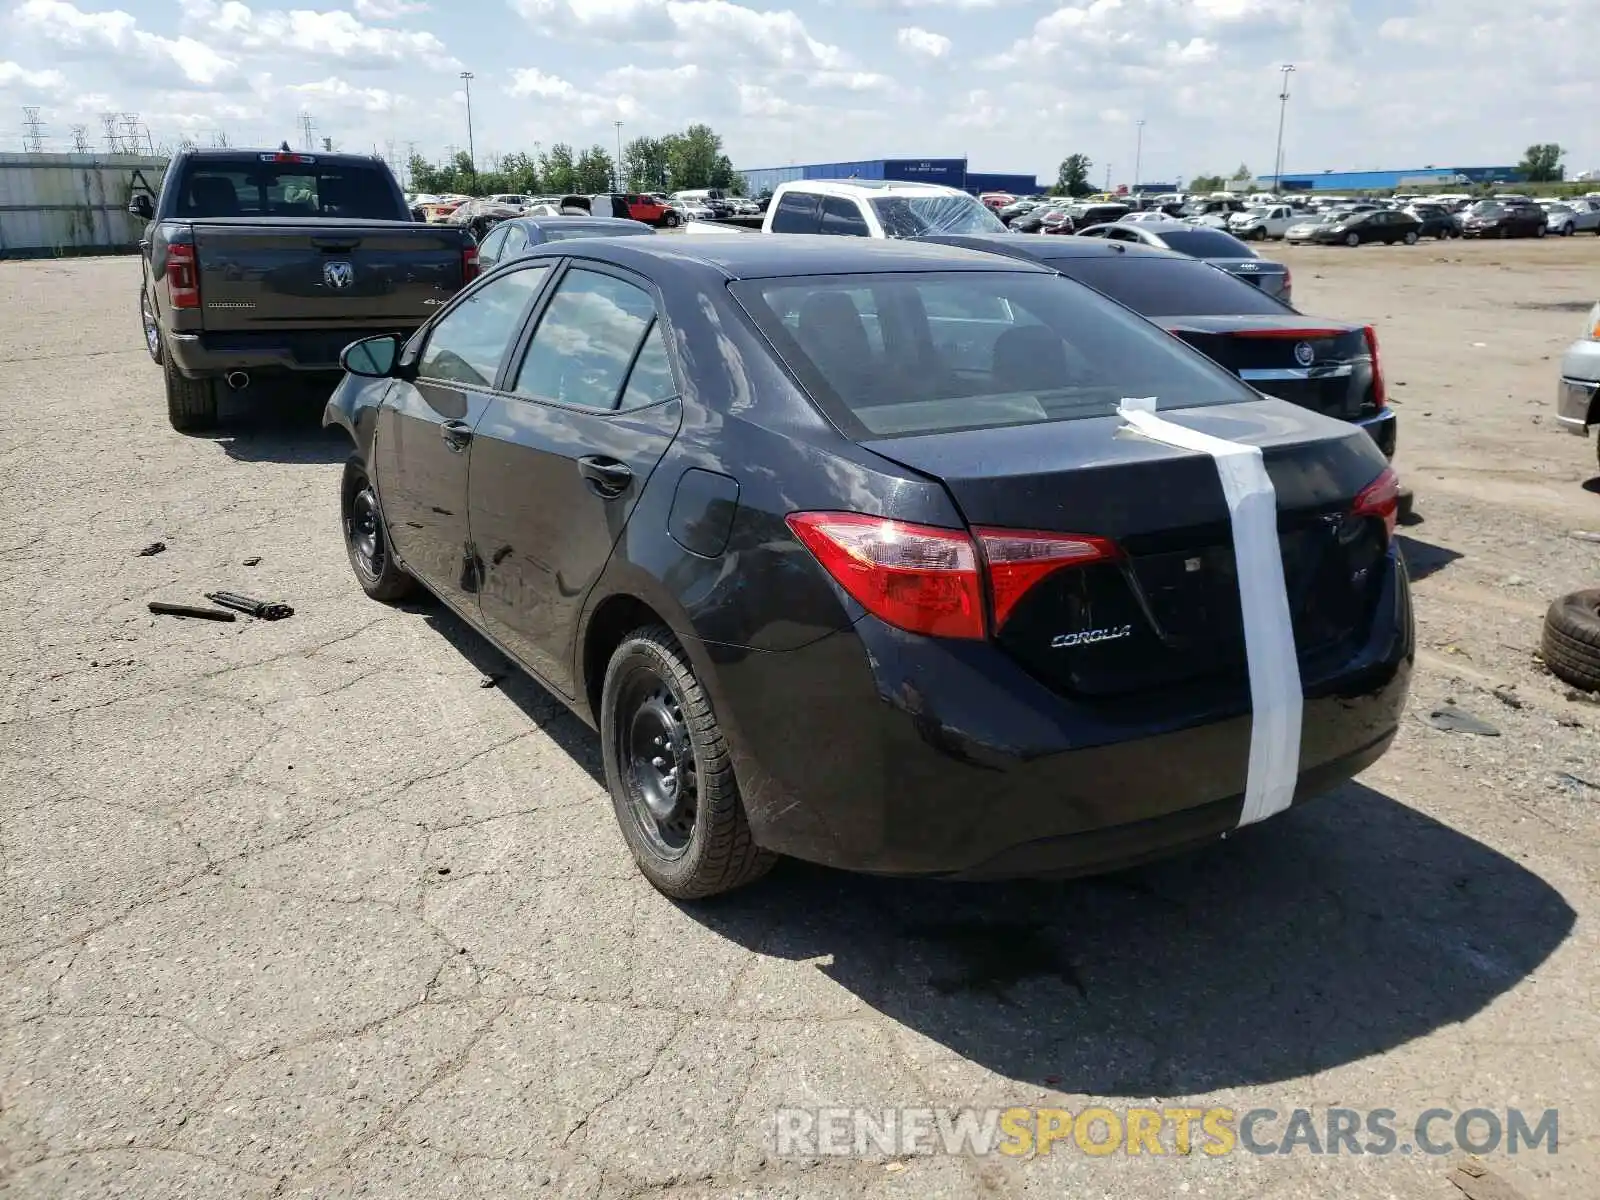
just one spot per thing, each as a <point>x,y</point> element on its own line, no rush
<point>472,155</point>
<point>618,172</point>
<point>1283,108</point>
<point>1138,156</point>
<point>1108,177</point>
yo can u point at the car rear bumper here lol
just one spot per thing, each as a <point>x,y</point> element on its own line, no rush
<point>1579,387</point>
<point>880,751</point>
<point>1383,427</point>
<point>207,354</point>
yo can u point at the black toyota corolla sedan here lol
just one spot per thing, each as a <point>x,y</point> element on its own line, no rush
<point>850,551</point>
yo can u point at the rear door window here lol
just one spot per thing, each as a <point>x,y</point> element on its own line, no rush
<point>1026,348</point>
<point>842,216</point>
<point>586,341</point>
<point>796,213</point>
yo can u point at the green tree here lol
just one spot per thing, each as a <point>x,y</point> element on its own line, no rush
<point>593,170</point>
<point>694,158</point>
<point>1244,172</point>
<point>556,169</point>
<point>521,173</point>
<point>1542,163</point>
<point>1073,177</point>
<point>644,165</point>
<point>425,177</point>
<point>1206,183</point>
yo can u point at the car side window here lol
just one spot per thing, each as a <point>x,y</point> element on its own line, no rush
<point>492,248</point>
<point>470,340</point>
<point>516,242</point>
<point>797,213</point>
<point>651,379</point>
<point>586,340</point>
<point>842,216</point>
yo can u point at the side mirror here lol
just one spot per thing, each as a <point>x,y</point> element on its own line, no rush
<point>142,207</point>
<point>373,357</point>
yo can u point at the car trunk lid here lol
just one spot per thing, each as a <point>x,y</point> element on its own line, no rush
<point>1326,368</point>
<point>1165,612</point>
<point>316,273</point>
<point>1270,277</point>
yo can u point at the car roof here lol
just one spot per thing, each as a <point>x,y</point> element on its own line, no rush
<point>1054,249</point>
<point>859,187</point>
<point>751,255</point>
<point>577,222</point>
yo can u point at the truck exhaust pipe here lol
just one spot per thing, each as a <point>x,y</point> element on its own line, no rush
<point>238,380</point>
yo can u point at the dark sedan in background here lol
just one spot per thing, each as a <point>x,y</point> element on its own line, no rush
<point>1436,221</point>
<point>1221,250</point>
<point>1386,225</point>
<point>514,238</point>
<point>844,548</point>
<point>1504,219</point>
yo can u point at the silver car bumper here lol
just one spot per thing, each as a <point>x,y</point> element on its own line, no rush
<point>1579,387</point>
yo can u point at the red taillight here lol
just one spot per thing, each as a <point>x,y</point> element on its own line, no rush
<point>1381,499</point>
<point>469,264</point>
<point>1380,395</point>
<point>1018,559</point>
<point>930,580</point>
<point>915,577</point>
<point>183,279</point>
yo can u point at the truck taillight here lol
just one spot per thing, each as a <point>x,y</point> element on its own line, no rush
<point>1380,394</point>
<point>469,264</point>
<point>183,278</point>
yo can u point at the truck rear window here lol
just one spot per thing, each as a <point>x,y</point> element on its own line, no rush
<point>245,187</point>
<point>911,353</point>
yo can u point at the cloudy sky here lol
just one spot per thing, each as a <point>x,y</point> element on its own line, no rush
<point>1012,84</point>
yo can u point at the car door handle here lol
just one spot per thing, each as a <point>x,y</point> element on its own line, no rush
<point>607,477</point>
<point>456,434</point>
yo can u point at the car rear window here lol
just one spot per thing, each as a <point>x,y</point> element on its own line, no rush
<point>1205,243</point>
<point>928,352</point>
<point>248,187</point>
<point>560,233</point>
<point>1165,287</point>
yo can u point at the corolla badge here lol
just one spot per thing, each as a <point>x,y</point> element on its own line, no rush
<point>1305,354</point>
<point>338,275</point>
<point>1088,637</point>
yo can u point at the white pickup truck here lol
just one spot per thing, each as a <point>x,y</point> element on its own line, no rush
<point>1261,222</point>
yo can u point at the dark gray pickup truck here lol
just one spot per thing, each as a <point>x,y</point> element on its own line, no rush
<point>262,263</point>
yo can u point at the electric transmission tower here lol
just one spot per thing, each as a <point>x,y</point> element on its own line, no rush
<point>219,139</point>
<point>80,140</point>
<point>108,122</point>
<point>308,130</point>
<point>34,139</point>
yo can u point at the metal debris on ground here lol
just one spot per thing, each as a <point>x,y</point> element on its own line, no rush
<point>1477,1182</point>
<point>253,561</point>
<point>489,680</point>
<point>1570,778</point>
<point>153,549</point>
<point>1507,697</point>
<point>1584,535</point>
<point>1451,719</point>
<point>190,610</point>
<point>266,610</point>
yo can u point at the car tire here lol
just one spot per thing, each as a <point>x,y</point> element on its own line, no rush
<point>1541,231</point>
<point>1571,642</point>
<point>366,538</point>
<point>688,833</point>
<point>1566,231</point>
<point>152,331</point>
<point>672,220</point>
<point>191,403</point>
<point>1352,239</point>
<point>1411,238</point>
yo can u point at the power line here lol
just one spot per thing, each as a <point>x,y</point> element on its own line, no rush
<point>34,141</point>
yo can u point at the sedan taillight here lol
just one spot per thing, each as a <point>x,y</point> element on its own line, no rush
<point>1380,393</point>
<point>183,277</point>
<point>933,581</point>
<point>469,264</point>
<point>1381,499</point>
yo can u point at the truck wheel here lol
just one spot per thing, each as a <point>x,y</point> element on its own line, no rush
<point>152,331</point>
<point>1571,643</point>
<point>191,403</point>
<point>366,538</point>
<point>670,773</point>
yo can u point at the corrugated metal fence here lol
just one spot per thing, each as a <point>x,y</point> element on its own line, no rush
<point>63,204</point>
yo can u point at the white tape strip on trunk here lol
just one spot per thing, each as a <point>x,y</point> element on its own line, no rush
<point>1275,696</point>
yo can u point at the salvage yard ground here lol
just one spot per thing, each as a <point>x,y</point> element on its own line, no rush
<point>302,909</point>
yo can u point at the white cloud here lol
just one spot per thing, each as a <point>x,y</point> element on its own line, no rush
<point>308,33</point>
<point>388,10</point>
<point>338,93</point>
<point>580,107</point>
<point>700,29</point>
<point>12,74</point>
<point>920,43</point>
<point>116,33</point>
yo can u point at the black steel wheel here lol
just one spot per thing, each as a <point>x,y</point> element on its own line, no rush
<point>152,331</point>
<point>1352,239</point>
<point>670,773</point>
<point>366,538</point>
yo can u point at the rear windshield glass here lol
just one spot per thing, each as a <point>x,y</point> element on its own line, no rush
<point>1205,243</point>
<point>246,187</point>
<point>928,352</point>
<point>560,233</point>
<point>913,216</point>
<point>1171,287</point>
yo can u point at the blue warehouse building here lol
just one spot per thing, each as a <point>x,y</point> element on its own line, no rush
<point>949,172</point>
<point>1379,181</point>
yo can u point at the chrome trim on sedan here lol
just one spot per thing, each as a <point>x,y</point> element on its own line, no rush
<point>1573,400</point>
<point>1337,371</point>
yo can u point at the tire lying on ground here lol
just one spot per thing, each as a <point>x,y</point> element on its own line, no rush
<point>1571,644</point>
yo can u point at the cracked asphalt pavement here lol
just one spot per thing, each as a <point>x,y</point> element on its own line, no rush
<point>299,909</point>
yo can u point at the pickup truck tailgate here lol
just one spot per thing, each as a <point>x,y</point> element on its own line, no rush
<point>304,274</point>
